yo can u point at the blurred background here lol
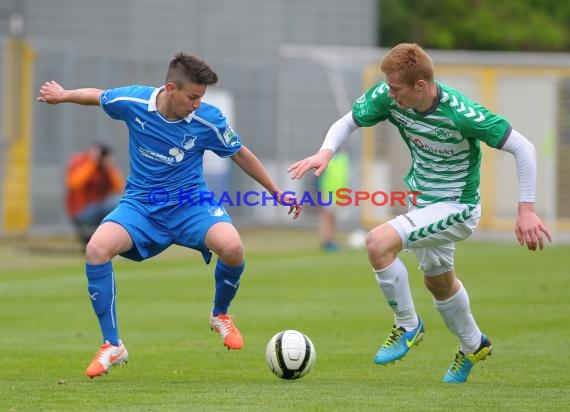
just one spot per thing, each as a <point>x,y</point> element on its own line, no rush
<point>288,70</point>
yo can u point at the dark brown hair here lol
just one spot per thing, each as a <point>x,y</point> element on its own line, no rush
<point>185,68</point>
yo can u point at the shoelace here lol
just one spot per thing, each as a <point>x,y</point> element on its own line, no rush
<point>227,323</point>
<point>458,361</point>
<point>395,334</point>
<point>102,349</point>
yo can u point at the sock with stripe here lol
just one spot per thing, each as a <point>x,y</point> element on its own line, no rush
<point>102,292</point>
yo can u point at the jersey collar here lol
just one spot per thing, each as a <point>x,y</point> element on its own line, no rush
<point>153,108</point>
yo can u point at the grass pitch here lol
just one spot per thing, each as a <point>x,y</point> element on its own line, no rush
<point>49,333</point>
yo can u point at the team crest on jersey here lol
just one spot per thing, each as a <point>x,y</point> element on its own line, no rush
<point>230,138</point>
<point>188,141</point>
<point>442,134</point>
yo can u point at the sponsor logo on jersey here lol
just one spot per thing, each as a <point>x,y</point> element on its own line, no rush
<point>444,150</point>
<point>175,155</point>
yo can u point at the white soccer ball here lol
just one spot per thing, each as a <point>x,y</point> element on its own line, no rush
<point>290,354</point>
<point>357,239</point>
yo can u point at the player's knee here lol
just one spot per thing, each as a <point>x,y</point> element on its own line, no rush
<point>97,253</point>
<point>440,286</point>
<point>232,253</point>
<point>377,244</point>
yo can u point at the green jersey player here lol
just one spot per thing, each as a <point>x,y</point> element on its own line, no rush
<point>443,131</point>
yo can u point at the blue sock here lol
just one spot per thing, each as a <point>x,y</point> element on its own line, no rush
<point>227,284</point>
<point>101,287</point>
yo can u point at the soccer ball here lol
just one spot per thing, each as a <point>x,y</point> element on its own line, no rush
<point>357,239</point>
<point>290,354</point>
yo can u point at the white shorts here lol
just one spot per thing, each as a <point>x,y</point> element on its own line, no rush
<point>430,232</point>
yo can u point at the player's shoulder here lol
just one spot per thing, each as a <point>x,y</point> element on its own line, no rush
<point>379,91</point>
<point>468,113</point>
<point>209,113</point>
<point>453,98</point>
<point>131,91</point>
<point>460,106</point>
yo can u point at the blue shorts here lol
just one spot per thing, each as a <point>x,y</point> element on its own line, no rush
<point>155,229</point>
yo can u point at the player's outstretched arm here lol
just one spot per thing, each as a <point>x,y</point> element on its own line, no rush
<point>336,135</point>
<point>250,164</point>
<point>529,228</point>
<point>53,93</point>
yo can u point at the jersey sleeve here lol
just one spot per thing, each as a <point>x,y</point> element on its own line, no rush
<point>115,101</point>
<point>373,106</point>
<point>480,123</point>
<point>227,142</point>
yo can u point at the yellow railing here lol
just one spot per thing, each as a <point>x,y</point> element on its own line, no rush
<point>17,100</point>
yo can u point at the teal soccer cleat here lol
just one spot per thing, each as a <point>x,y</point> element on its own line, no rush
<point>399,343</point>
<point>462,364</point>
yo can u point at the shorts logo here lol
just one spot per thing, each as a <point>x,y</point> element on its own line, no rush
<point>410,220</point>
<point>216,211</point>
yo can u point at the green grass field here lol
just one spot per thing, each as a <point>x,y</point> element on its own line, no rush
<point>49,334</point>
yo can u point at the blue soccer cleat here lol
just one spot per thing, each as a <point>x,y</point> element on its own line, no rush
<point>399,343</point>
<point>462,364</point>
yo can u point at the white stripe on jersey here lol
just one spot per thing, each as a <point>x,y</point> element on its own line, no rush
<point>211,126</point>
<point>132,99</point>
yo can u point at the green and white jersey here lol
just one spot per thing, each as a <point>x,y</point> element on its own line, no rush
<point>444,143</point>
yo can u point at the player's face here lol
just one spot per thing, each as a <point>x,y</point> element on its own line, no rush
<point>186,99</point>
<point>407,96</point>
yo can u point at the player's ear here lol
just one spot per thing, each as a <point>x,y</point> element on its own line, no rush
<point>170,87</point>
<point>420,85</point>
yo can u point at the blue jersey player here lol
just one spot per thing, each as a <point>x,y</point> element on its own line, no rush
<point>164,203</point>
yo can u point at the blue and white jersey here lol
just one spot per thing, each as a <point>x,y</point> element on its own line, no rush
<point>167,155</point>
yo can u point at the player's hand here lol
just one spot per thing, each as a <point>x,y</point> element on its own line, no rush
<point>530,230</point>
<point>318,161</point>
<point>51,92</point>
<point>287,200</point>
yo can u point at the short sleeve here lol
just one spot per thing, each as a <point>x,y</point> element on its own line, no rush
<point>227,141</point>
<point>373,106</point>
<point>113,102</point>
<point>486,126</point>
